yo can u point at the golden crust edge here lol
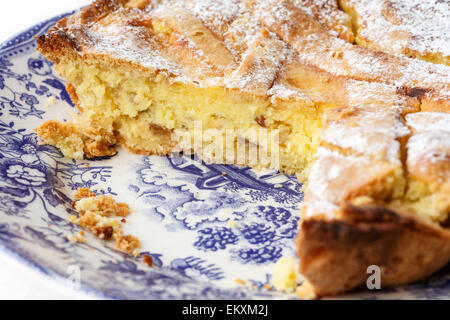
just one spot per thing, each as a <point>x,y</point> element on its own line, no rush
<point>334,254</point>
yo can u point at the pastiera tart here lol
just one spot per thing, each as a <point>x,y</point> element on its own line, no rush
<point>369,128</point>
<point>415,28</point>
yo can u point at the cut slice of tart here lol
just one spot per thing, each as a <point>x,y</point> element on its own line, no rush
<point>365,209</point>
<point>258,83</point>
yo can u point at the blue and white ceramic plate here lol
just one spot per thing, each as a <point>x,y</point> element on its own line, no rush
<point>182,208</point>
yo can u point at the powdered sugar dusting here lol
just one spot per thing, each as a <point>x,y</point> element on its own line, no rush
<point>429,145</point>
<point>260,63</point>
<point>320,199</point>
<point>428,121</point>
<point>285,92</point>
<point>403,26</point>
<point>335,178</point>
<point>118,41</point>
<point>216,15</point>
<point>371,133</point>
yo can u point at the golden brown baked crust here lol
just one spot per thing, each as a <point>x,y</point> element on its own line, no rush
<point>94,142</point>
<point>334,255</point>
<point>429,146</point>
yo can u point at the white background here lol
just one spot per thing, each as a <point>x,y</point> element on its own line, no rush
<point>18,15</point>
<point>18,281</point>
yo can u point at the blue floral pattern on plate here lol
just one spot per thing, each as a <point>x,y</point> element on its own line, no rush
<point>203,229</point>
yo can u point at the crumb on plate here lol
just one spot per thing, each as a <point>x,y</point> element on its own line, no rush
<point>306,291</point>
<point>97,213</point>
<point>51,101</point>
<point>284,277</point>
<point>148,260</point>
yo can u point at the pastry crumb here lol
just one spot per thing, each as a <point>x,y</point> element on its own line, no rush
<point>79,238</point>
<point>233,224</point>
<point>268,287</point>
<point>96,214</point>
<point>128,244</point>
<point>147,260</point>
<point>83,193</point>
<point>284,277</point>
<point>51,101</point>
<point>306,291</point>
